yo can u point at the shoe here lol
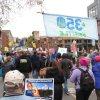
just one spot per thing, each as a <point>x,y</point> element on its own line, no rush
<point>67,93</point>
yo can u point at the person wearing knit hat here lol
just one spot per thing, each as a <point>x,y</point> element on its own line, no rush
<point>84,61</point>
<point>96,72</point>
<point>97,59</point>
<point>76,77</point>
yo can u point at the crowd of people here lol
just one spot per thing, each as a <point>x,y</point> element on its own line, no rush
<point>61,67</point>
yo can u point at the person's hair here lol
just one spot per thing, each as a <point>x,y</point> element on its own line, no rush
<point>29,83</point>
<point>73,60</point>
<point>84,54</point>
<point>55,65</point>
<point>35,52</point>
<point>8,54</point>
<point>65,55</point>
<point>58,55</point>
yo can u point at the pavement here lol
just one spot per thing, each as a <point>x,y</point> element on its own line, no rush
<point>1,86</point>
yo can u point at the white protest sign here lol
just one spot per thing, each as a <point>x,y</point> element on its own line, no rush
<point>62,50</point>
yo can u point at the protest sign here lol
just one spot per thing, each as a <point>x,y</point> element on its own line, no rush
<point>40,89</point>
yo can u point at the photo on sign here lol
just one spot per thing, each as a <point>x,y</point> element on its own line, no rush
<point>42,89</point>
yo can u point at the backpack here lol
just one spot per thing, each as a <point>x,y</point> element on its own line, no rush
<point>86,81</point>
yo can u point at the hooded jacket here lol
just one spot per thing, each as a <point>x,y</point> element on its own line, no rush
<point>96,72</point>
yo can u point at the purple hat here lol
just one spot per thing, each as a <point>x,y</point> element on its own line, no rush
<point>84,61</point>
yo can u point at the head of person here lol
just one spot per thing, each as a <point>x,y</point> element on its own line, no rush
<point>65,55</point>
<point>8,54</point>
<point>7,59</point>
<point>35,52</point>
<point>15,77</point>
<point>97,58</point>
<point>29,86</point>
<point>96,51</point>
<point>84,61</point>
<point>58,55</point>
<point>91,51</point>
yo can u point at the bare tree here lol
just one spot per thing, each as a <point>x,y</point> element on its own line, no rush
<point>9,6</point>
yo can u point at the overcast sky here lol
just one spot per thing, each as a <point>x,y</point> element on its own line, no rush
<point>27,20</point>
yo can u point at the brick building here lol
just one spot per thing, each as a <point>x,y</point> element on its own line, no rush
<point>6,39</point>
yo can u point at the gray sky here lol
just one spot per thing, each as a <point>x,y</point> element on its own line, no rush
<point>27,20</point>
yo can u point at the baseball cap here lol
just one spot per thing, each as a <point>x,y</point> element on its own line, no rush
<point>14,76</point>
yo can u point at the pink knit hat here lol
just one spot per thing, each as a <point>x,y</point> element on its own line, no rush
<point>84,61</point>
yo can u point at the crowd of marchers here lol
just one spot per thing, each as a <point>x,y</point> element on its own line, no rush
<point>83,70</point>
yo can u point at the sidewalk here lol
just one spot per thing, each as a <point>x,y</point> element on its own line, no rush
<point>1,87</point>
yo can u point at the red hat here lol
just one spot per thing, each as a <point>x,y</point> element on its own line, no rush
<point>97,59</point>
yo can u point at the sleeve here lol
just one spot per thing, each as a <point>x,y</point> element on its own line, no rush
<point>70,65</point>
<point>92,75</point>
<point>17,63</point>
<point>54,73</point>
<point>74,76</point>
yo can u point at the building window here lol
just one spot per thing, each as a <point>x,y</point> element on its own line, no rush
<point>93,11</point>
<point>96,11</point>
<point>65,41</point>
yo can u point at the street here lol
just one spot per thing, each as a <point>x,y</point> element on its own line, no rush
<point>65,97</point>
<point>72,96</point>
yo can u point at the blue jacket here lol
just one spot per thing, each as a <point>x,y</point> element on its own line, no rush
<point>96,72</point>
<point>92,58</point>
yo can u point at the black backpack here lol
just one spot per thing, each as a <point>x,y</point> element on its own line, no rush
<point>86,81</point>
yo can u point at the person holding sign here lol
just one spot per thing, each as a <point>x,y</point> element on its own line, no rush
<point>54,72</point>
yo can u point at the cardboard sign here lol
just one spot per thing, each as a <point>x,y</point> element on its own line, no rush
<point>62,50</point>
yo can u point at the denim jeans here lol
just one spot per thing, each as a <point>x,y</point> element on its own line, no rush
<point>35,74</point>
<point>65,85</point>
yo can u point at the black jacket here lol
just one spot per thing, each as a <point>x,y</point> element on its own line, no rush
<point>58,81</point>
<point>23,64</point>
<point>66,66</point>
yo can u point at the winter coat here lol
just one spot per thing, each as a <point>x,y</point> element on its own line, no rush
<point>96,72</point>
<point>92,58</point>
<point>23,64</point>
<point>35,60</point>
<point>76,74</point>
<point>58,81</point>
<point>66,65</point>
<point>7,67</point>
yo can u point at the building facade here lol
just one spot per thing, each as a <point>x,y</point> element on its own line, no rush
<point>93,9</point>
<point>51,42</point>
<point>6,40</point>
